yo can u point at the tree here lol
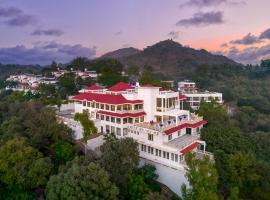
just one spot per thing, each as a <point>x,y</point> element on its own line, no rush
<point>155,196</point>
<point>81,182</point>
<point>67,84</point>
<point>87,124</point>
<point>136,187</point>
<point>120,158</point>
<point>64,151</point>
<point>202,177</point>
<point>80,63</point>
<point>134,70</point>
<point>21,164</point>
<point>54,66</point>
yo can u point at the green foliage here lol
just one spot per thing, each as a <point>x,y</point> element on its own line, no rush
<point>22,165</point>
<point>202,176</point>
<point>155,196</point>
<point>120,158</point>
<point>64,151</point>
<point>80,63</point>
<point>67,85</point>
<point>87,124</point>
<point>81,182</point>
<point>136,187</point>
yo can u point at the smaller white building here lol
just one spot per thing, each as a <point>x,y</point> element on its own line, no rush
<point>194,97</point>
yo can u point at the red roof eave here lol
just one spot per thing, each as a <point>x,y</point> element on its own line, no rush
<point>185,125</point>
<point>189,148</point>
<point>139,114</point>
<point>105,98</point>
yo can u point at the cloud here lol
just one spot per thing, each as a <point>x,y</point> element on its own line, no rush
<point>224,45</point>
<point>251,55</point>
<point>265,34</point>
<point>202,19</point>
<point>246,40</point>
<point>119,33</point>
<point>44,53</point>
<point>210,3</point>
<point>173,34</point>
<point>15,17</point>
<point>48,32</point>
<point>22,20</point>
<point>9,12</point>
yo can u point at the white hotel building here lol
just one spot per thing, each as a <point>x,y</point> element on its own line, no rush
<point>154,118</point>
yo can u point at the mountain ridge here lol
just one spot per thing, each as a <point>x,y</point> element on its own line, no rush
<point>169,58</point>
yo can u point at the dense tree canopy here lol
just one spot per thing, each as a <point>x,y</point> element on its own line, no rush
<point>120,158</point>
<point>81,182</point>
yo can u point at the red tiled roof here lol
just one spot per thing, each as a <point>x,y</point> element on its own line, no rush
<point>119,87</point>
<point>182,97</point>
<point>139,114</point>
<point>93,87</point>
<point>105,98</point>
<point>189,148</point>
<point>185,125</point>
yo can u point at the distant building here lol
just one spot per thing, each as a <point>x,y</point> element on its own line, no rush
<point>29,82</point>
<point>194,96</point>
<point>83,74</point>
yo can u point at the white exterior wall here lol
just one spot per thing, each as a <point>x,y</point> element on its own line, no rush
<point>171,177</point>
<point>149,95</point>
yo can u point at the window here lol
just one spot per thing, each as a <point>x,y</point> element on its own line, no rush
<point>150,137</point>
<point>125,131</point>
<point>88,104</point>
<point>84,103</point>
<point>170,137</point>
<point>136,120</point>
<point>107,118</point>
<point>168,155</point>
<point>97,116</point>
<point>113,119</point>
<point>141,119</point>
<point>101,106</point>
<point>112,108</point>
<point>107,128</point>
<point>125,120</point>
<point>181,157</point>
<point>102,117</point>
<point>152,150</point>
<point>93,104</point>
<point>176,157</point>
<point>164,154</point>
<point>159,153</point>
<point>141,147</point>
<point>172,156</point>
<point>97,105</point>
<point>118,120</point>
<point>107,107</point>
<point>118,131</point>
<point>130,120</point>
<point>179,133</point>
<point>149,149</point>
<point>119,107</point>
<point>112,129</point>
<point>156,152</point>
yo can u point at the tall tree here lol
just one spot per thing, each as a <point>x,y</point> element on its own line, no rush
<point>202,177</point>
<point>120,158</point>
<point>22,165</point>
<point>81,181</point>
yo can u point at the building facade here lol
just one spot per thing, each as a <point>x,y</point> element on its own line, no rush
<point>153,117</point>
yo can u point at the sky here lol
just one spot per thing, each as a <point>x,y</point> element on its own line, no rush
<point>38,31</point>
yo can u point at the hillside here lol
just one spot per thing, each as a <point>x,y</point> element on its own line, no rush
<point>121,53</point>
<point>169,58</point>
